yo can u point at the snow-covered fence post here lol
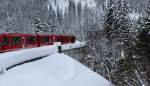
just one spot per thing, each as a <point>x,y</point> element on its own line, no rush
<point>59,46</point>
<point>59,49</point>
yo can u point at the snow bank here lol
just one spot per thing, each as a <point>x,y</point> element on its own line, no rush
<point>54,70</point>
<point>73,46</point>
<point>9,59</point>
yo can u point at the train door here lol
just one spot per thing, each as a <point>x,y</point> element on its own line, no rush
<point>51,40</point>
<point>38,40</point>
<point>5,43</point>
<point>23,42</point>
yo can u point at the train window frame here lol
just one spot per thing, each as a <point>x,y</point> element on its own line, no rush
<point>44,39</point>
<point>18,42</point>
<point>6,43</point>
<point>30,41</point>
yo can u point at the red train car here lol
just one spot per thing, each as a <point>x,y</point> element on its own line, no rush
<point>45,39</point>
<point>13,41</point>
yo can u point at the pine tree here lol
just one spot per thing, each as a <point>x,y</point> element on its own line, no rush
<point>143,45</point>
<point>117,30</point>
<point>46,24</point>
<point>122,22</point>
<point>109,19</point>
<point>116,21</point>
<point>123,33</point>
<point>142,49</point>
<point>72,11</point>
<point>79,9</point>
<point>109,28</point>
<point>60,19</point>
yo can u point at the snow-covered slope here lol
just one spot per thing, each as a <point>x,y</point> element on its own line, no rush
<point>63,4</point>
<point>54,70</point>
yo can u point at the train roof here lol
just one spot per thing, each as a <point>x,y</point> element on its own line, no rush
<point>16,34</point>
<point>20,34</point>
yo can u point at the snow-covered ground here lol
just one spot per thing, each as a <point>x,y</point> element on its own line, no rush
<point>54,70</point>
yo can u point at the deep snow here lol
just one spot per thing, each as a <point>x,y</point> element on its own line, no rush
<point>54,70</point>
<point>9,59</point>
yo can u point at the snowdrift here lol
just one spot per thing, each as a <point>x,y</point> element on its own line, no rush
<point>54,70</point>
<point>10,59</point>
<point>73,46</point>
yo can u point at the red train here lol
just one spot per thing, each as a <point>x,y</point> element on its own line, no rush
<point>14,41</point>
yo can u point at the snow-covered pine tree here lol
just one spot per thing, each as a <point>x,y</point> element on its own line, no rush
<point>122,22</point>
<point>60,19</point>
<point>110,28</point>
<point>51,20</point>
<point>109,19</point>
<point>138,63</point>
<point>71,11</point>
<point>46,24</point>
<point>79,9</point>
<point>122,25</point>
<point>133,70</point>
<point>143,45</point>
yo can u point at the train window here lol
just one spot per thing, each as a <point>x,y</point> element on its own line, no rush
<point>58,39</point>
<point>16,40</point>
<point>31,40</point>
<point>73,39</point>
<point>45,39</point>
<point>5,41</point>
